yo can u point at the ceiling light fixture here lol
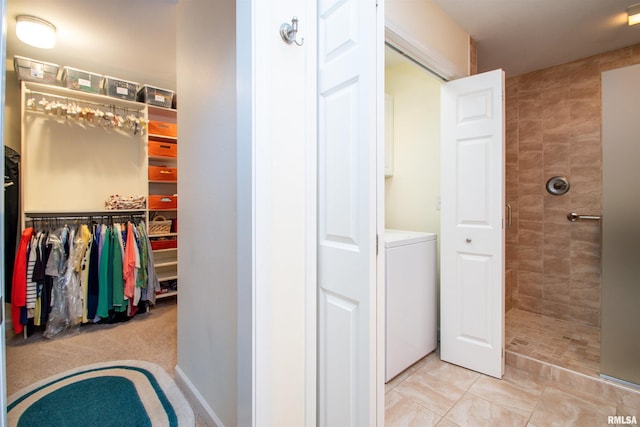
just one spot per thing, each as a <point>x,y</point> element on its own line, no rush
<point>35,31</point>
<point>633,14</point>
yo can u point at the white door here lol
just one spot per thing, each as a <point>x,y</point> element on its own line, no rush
<point>347,138</point>
<point>472,242</point>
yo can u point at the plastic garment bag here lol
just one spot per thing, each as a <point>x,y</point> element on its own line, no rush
<point>66,294</point>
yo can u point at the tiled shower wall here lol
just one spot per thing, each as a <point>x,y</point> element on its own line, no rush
<point>554,128</point>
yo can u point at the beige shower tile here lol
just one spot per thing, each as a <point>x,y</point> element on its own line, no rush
<point>635,54</point>
<point>586,297</point>
<point>530,233</point>
<point>559,408</point>
<point>585,316</point>
<point>530,134</point>
<point>471,411</point>
<point>586,88</point>
<point>616,59</point>
<point>556,209</point>
<point>585,118</point>
<point>529,161</point>
<point>556,77</point>
<point>531,207</point>
<point>557,234</point>
<point>538,369</point>
<point>529,303</point>
<point>584,73</point>
<point>556,261</point>
<point>556,287</point>
<point>555,309</point>
<point>506,395</point>
<point>529,260</point>
<point>401,411</point>
<point>529,82</point>
<point>430,392</point>
<point>530,106</point>
<point>557,157</point>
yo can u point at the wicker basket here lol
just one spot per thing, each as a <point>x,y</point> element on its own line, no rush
<point>159,225</point>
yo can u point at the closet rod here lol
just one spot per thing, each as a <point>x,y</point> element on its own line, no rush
<point>73,215</point>
<point>83,102</point>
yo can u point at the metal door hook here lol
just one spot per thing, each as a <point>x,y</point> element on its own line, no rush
<point>288,32</point>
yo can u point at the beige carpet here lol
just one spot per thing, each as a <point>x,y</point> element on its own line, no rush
<point>149,337</point>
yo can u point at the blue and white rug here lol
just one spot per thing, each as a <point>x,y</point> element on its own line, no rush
<point>119,393</point>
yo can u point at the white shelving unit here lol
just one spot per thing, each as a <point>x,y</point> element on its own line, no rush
<point>70,166</point>
<point>166,260</point>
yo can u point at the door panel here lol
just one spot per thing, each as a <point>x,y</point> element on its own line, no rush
<point>347,213</point>
<point>472,245</point>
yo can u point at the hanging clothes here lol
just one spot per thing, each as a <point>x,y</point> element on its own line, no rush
<point>11,215</point>
<point>71,276</point>
<point>19,280</point>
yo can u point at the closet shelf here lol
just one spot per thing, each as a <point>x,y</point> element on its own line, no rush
<point>163,158</point>
<point>163,235</point>
<point>163,210</point>
<point>166,294</point>
<point>157,137</point>
<point>166,278</point>
<point>166,264</point>
<point>158,181</point>
<point>164,250</point>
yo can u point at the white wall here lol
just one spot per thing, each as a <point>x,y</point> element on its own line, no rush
<point>411,194</point>
<point>436,40</point>
<point>247,205</point>
<point>207,305</point>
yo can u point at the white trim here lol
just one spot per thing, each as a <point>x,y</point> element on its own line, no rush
<point>311,190</point>
<point>380,299</point>
<point>4,307</point>
<point>195,399</point>
<point>400,39</point>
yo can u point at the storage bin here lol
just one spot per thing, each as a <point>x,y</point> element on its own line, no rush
<point>118,88</point>
<point>163,173</point>
<point>35,71</point>
<point>163,149</point>
<point>163,129</point>
<point>164,244</point>
<point>156,96</point>
<point>86,81</point>
<point>157,202</point>
<point>159,225</point>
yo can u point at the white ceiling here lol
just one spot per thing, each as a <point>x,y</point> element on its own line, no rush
<point>526,35</point>
<point>135,39</point>
<point>129,39</point>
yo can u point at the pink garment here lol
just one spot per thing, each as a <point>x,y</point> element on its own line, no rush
<point>129,264</point>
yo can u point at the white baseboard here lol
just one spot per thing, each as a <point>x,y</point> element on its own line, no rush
<point>195,399</point>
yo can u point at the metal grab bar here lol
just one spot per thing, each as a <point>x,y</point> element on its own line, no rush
<point>573,217</point>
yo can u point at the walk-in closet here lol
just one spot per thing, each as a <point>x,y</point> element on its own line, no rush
<point>91,141</point>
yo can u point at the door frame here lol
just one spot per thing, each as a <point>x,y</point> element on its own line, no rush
<point>3,363</point>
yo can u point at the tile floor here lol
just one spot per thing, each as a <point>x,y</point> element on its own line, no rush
<point>559,342</point>
<point>531,393</point>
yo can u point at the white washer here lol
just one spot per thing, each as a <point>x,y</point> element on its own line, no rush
<point>411,299</point>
